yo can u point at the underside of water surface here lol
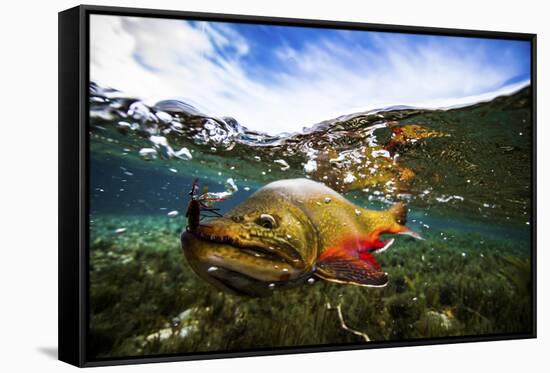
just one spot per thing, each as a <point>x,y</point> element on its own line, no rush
<point>464,174</point>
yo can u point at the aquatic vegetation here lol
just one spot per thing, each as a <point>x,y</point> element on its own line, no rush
<point>145,299</point>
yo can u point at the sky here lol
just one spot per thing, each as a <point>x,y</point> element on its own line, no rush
<point>280,79</point>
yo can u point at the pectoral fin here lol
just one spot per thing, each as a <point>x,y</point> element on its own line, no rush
<point>340,267</point>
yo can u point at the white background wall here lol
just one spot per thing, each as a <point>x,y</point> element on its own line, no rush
<point>28,184</point>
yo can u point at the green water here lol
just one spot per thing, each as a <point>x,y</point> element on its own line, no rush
<point>469,198</point>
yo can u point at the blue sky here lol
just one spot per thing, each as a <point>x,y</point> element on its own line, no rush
<point>280,79</point>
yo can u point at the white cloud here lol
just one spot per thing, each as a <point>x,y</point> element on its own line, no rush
<point>156,59</point>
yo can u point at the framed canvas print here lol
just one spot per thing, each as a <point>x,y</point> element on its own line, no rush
<point>237,186</point>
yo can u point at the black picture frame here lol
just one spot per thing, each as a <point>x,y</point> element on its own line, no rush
<point>74,187</point>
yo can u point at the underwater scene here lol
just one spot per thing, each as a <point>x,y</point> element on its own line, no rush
<point>396,223</point>
<point>467,192</point>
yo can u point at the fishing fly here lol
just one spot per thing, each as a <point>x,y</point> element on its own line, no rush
<point>199,207</point>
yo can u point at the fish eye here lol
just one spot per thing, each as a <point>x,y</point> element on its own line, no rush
<point>267,221</point>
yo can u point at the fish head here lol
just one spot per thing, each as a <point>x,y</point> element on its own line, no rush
<point>260,245</point>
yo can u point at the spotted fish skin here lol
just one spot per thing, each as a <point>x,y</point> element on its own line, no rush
<point>287,232</point>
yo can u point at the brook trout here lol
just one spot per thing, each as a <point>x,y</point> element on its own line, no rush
<point>289,232</point>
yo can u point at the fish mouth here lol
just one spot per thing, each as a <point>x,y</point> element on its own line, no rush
<point>254,245</point>
<point>250,249</point>
<point>229,253</point>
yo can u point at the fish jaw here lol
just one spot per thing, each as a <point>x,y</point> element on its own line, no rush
<point>251,240</point>
<point>233,258</point>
